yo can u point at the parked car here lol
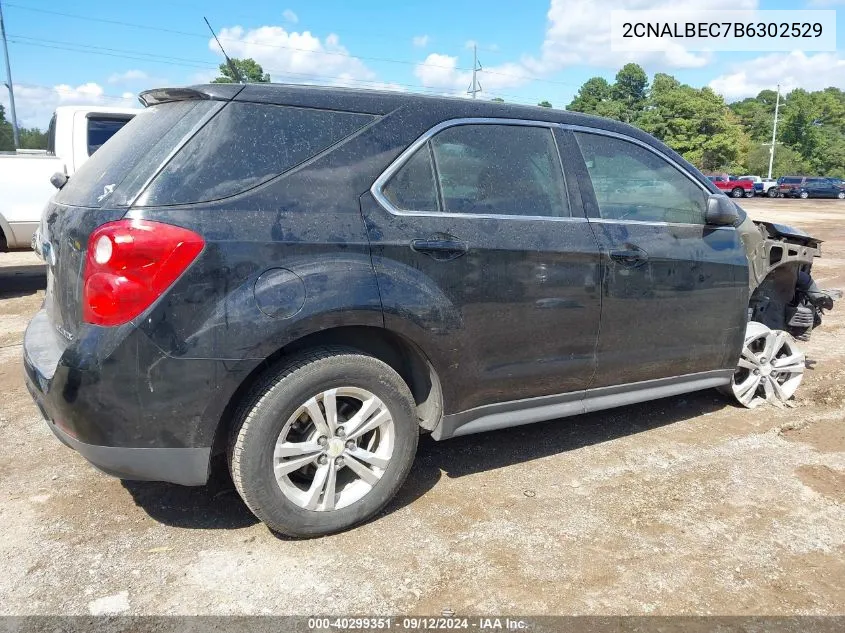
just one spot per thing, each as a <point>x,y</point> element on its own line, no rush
<point>74,134</point>
<point>735,187</point>
<point>305,279</point>
<point>811,187</point>
<point>763,186</point>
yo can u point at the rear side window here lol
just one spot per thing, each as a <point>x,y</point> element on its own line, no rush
<point>633,183</point>
<point>101,129</point>
<point>133,155</point>
<point>500,170</point>
<point>412,188</point>
<point>245,145</point>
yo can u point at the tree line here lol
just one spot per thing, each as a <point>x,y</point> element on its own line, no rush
<point>31,137</point>
<point>720,137</point>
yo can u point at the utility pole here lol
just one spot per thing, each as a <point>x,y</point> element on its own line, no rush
<point>475,86</point>
<point>774,134</point>
<point>9,82</point>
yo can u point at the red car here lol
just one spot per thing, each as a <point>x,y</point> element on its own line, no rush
<point>736,188</point>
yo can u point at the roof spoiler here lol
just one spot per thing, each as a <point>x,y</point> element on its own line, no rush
<point>224,92</point>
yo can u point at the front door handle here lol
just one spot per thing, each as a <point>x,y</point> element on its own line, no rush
<point>629,257</point>
<point>441,250</point>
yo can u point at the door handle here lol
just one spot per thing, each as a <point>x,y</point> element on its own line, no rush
<point>441,250</point>
<point>629,257</point>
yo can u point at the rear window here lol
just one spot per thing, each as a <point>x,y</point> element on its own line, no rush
<point>790,181</point>
<point>115,174</point>
<point>245,145</point>
<point>101,129</point>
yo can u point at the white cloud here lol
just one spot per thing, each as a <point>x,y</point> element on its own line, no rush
<point>129,75</point>
<point>35,104</point>
<point>290,16</point>
<point>824,3</point>
<point>790,70</point>
<point>578,33</point>
<point>297,57</point>
<point>420,41</point>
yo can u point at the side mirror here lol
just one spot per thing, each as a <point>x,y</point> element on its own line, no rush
<point>59,179</point>
<point>721,211</point>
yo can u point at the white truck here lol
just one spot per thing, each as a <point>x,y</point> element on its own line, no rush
<point>74,134</point>
<point>763,186</point>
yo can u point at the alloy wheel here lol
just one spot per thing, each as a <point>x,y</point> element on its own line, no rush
<point>770,368</point>
<point>334,449</point>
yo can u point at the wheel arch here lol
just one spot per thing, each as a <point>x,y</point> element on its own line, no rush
<point>394,349</point>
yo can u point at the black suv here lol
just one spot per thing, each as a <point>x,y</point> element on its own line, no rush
<point>306,278</point>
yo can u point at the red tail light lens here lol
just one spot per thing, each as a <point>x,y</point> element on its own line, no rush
<point>129,264</point>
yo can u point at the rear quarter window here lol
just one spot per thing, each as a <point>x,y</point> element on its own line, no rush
<point>245,145</point>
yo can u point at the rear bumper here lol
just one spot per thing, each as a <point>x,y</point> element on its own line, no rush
<point>82,409</point>
<point>185,466</point>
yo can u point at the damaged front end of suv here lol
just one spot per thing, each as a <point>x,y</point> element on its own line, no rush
<point>785,305</point>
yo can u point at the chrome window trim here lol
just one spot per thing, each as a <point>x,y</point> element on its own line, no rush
<point>399,162</point>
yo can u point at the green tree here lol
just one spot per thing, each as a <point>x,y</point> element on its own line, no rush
<point>630,90</point>
<point>7,139</point>
<point>594,97</point>
<point>249,69</point>
<point>545,104</point>
<point>33,138</point>
<point>497,100</point>
<point>696,123</point>
<point>787,161</point>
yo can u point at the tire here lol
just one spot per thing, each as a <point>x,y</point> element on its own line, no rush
<point>275,410</point>
<point>737,192</point>
<point>772,192</point>
<point>803,195</point>
<point>750,193</point>
<point>841,195</point>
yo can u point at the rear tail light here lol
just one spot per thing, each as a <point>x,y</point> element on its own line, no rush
<point>129,264</point>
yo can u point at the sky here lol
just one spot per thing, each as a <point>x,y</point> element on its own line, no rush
<point>106,52</point>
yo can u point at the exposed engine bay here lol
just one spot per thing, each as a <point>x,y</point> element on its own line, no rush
<point>785,305</point>
<point>783,293</point>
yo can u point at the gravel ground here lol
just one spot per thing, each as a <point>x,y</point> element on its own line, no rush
<point>685,505</point>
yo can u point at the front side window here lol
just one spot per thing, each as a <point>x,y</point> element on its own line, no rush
<point>633,183</point>
<point>500,170</point>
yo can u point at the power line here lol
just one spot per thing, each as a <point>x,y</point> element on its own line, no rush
<point>282,46</point>
<point>190,63</point>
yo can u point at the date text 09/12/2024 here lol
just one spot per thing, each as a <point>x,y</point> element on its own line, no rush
<point>419,623</point>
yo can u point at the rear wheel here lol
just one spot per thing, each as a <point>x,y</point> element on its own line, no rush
<point>750,193</point>
<point>737,192</point>
<point>324,442</point>
<point>803,195</point>
<point>841,195</point>
<point>772,192</point>
<point>770,367</point>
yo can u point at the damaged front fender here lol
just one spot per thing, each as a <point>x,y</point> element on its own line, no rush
<point>769,246</point>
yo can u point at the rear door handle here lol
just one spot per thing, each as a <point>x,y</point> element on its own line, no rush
<point>441,250</point>
<point>629,257</point>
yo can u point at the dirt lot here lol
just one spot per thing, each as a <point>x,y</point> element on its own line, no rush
<point>683,505</point>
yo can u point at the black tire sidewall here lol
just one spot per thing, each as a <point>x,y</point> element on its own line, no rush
<point>269,415</point>
<point>737,192</point>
